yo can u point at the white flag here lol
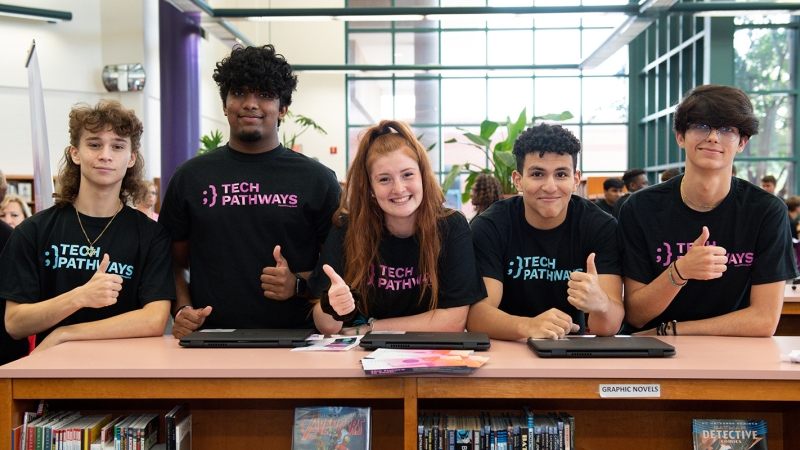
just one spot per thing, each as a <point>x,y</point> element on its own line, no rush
<point>42,174</point>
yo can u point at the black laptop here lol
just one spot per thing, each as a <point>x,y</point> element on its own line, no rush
<point>437,340</point>
<point>601,347</point>
<point>243,338</point>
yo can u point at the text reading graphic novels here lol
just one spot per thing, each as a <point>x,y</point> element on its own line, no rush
<point>538,268</point>
<point>669,252</point>
<point>245,194</point>
<point>710,434</point>
<point>81,257</point>
<point>332,428</point>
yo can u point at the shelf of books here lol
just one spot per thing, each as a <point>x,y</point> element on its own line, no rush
<point>249,398</point>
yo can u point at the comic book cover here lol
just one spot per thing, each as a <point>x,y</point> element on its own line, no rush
<point>711,434</point>
<point>332,428</point>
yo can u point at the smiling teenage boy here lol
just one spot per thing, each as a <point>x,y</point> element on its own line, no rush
<point>707,253</point>
<point>90,267</point>
<point>248,218</point>
<point>547,256</point>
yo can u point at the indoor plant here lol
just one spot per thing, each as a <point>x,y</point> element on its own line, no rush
<point>501,161</point>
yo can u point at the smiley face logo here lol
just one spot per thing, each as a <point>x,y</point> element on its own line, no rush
<point>511,267</point>
<point>54,261</point>
<point>213,200</point>
<point>668,254</point>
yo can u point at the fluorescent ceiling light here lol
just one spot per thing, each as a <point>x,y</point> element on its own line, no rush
<point>47,15</point>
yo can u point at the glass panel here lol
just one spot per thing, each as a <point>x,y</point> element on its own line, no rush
<point>762,20</point>
<point>369,4</point>
<point>370,48</point>
<point>775,136</point>
<point>605,148</point>
<point>764,59</point>
<point>507,97</point>
<point>416,48</point>
<point>353,138</point>
<point>417,101</point>
<point>429,138</point>
<point>603,20</point>
<point>616,64</point>
<point>462,23</point>
<point>557,46</point>
<point>459,152</point>
<point>464,48</point>
<point>463,100</point>
<point>369,101</point>
<point>783,171</point>
<point>510,21</point>
<point>554,95</point>
<point>511,47</point>
<point>605,100</point>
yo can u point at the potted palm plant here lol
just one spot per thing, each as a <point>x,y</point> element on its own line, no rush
<point>501,161</point>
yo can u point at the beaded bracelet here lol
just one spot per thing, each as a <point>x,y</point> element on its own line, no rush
<point>672,280</point>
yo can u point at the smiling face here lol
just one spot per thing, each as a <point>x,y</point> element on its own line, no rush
<point>710,152</point>
<point>253,117</point>
<point>546,184</point>
<point>397,185</point>
<point>103,157</point>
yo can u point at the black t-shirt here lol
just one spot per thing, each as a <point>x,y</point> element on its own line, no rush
<point>396,278</point>
<point>535,265</point>
<point>234,208</point>
<point>605,207</point>
<point>10,349</point>
<point>48,255</point>
<point>793,226</point>
<point>618,204</point>
<point>656,228</point>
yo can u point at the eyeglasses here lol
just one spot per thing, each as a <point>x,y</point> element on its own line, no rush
<point>702,131</point>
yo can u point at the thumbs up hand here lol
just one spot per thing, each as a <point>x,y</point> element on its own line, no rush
<point>702,262</point>
<point>339,295</point>
<point>584,291</point>
<point>102,289</point>
<point>278,283</point>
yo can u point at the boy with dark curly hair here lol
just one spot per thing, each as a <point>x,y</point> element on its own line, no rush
<point>547,256</point>
<point>90,267</point>
<point>249,218</point>
<point>706,253</point>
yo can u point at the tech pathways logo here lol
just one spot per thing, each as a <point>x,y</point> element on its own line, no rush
<point>394,278</point>
<point>538,268</point>
<point>244,194</point>
<point>80,257</point>
<point>673,252</point>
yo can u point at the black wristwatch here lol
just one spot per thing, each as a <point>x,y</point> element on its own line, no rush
<point>300,286</point>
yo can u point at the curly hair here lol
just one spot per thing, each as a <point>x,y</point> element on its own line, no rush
<point>366,225</point>
<point>716,106</point>
<point>106,115</point>
<point>258,69</point>
<point>486,190</point>
<point>546,138</point>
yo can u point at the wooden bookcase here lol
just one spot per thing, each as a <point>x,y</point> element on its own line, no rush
<point>243,398</point>
<point>16,183</point>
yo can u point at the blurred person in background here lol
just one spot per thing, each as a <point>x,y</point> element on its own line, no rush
<point>14,210</point>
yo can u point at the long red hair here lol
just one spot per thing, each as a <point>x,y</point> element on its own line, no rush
<point>366,225</point>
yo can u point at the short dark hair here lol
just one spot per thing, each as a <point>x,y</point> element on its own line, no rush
<point>613,182</point>
<point>258,69</point>
<point>716,106</point>
<point>631,175</point>
<point>793,202</point>
<point>546,138</point>
<point>769,179</point>
<point>669,173</point>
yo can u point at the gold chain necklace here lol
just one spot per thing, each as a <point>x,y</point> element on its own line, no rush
<point>685,197</point>
<point>91,243</point>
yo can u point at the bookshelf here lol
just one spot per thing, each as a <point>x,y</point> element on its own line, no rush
<point>22,185</point>
<point>245,397</point>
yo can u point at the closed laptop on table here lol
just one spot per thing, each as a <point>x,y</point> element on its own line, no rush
<point>243,338</point>
<point>601,347</point>
<point>426,340</point>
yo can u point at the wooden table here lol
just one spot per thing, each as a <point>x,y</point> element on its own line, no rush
<point>244,398</point>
